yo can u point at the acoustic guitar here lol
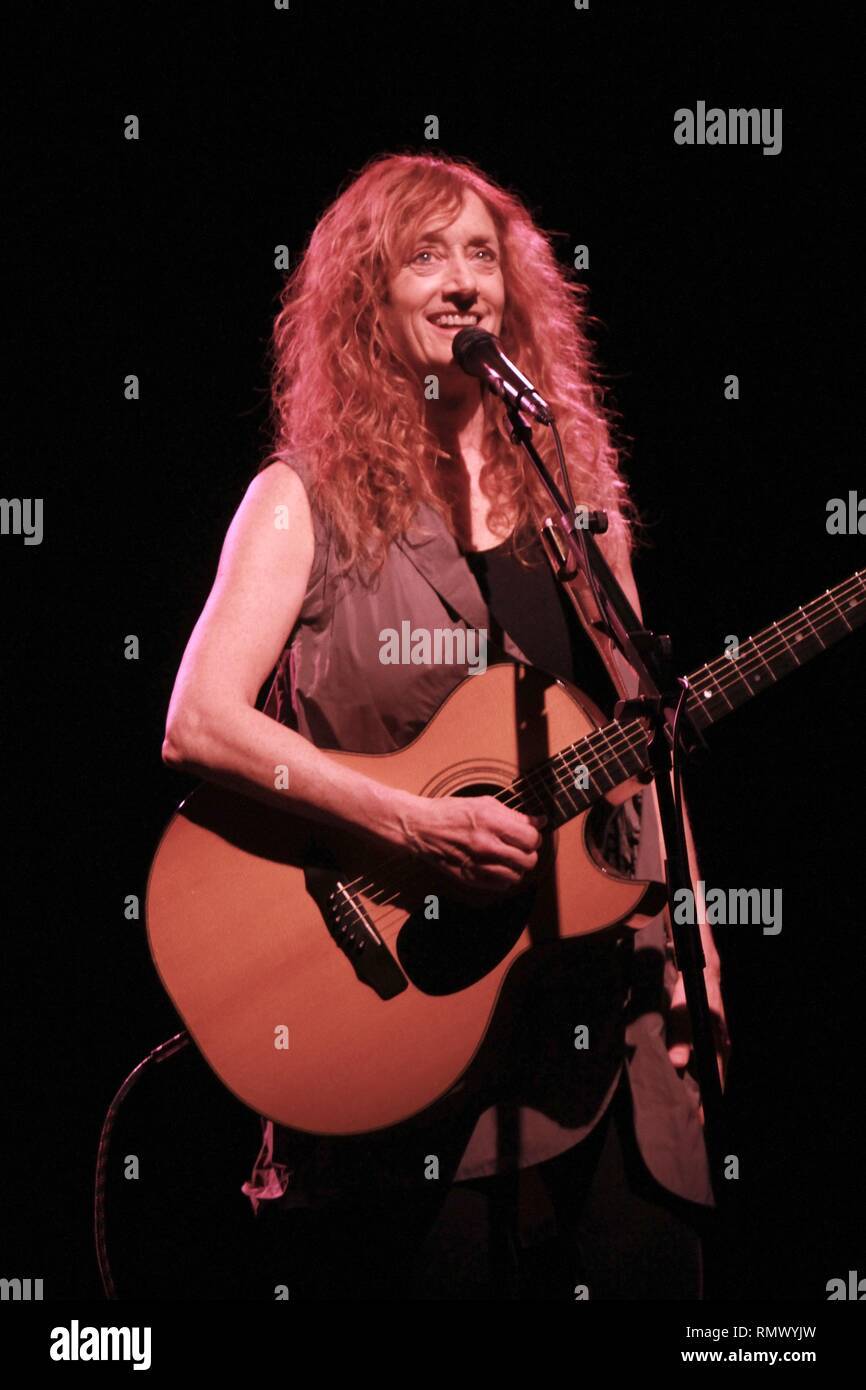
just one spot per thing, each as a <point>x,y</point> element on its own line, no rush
<point>338,989</point>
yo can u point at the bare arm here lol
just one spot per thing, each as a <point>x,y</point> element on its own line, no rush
<point>213,728</point>
<point>215,731</point>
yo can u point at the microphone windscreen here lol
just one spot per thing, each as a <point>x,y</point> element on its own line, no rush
<point>467,344</point>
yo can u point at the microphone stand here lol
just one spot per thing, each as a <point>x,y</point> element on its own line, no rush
<point>572,550</point>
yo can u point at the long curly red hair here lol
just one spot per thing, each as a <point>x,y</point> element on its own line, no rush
<point>345,403</point>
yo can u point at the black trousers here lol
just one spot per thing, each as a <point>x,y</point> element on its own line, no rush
<point>614,1234</point>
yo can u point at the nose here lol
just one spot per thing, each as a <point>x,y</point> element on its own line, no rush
<point>460,278</point>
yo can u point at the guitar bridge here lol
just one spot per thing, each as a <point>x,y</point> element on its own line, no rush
<point>353,931</point>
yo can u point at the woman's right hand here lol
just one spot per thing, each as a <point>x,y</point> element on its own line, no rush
<point>479,844</point>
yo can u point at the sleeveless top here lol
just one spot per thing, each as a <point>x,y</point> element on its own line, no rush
<point>327,688</point>
<point>534,610</point>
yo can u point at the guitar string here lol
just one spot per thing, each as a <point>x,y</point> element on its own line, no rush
<point>566,756</point>
<point>624,740</point>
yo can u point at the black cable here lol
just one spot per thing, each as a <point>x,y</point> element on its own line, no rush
<point>159,1054</point>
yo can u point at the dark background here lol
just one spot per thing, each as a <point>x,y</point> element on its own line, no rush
<point>156,258</point>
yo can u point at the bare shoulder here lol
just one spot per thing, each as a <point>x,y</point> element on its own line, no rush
<point>276,504</point>
<point>271,538</point>
<point>280,482</point>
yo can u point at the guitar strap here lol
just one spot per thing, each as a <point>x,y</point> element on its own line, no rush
<point>620,670</point>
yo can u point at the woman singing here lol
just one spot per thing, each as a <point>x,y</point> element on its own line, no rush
<point>394,492</point>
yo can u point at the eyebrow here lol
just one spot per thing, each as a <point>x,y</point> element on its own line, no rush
<point>473,240</point>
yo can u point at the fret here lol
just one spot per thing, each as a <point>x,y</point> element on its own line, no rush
<point>697,702</point>
<point>737,668</point>
<point>555,790</point>
<point>758,681</point>
<point>615,753</point>
<point>578,795</point>
<point>812,626</point>
<point>530,790</point>
<point>756,647</point>
<point>716,690</point>
<point>566,782</point>
<point>808,642</point>
<point>779,659</point>
<point>602,769</point>
<point>840,610</point>
<point>570,800</point>
<point>731,683</point>
<point>779,649</point>
<point>855,600</point>
<point>635,757</point>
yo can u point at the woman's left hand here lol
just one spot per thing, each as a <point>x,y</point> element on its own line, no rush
<point>679,1039</point>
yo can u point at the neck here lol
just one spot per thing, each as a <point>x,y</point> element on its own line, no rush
<point>457,418</point>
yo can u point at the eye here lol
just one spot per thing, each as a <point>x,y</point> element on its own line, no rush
<point>486,251</point>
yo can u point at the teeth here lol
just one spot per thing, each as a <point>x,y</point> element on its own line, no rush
<point>456,320</point>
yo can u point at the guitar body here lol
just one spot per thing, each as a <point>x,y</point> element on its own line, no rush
<point>340,1010</point>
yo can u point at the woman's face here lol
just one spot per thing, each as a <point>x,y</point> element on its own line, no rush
<point>454,272</point>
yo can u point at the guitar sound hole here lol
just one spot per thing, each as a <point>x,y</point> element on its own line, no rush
<point>459,943</point>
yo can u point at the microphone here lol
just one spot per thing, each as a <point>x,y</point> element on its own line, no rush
<point>478,353</point>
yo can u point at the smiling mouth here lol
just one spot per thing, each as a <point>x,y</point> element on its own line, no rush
<point>452,323</point>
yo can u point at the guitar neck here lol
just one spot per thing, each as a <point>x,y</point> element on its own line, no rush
<point>576,777</point>
<point>725,684</point>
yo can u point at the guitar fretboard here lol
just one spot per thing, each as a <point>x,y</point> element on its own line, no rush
<point>576,777</point>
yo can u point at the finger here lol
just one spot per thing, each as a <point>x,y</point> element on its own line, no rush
<point>723,1045</point>
<point>504,862</point>
<point>521,864</point>
<point>679,1054</point>
<point>525,833</point>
